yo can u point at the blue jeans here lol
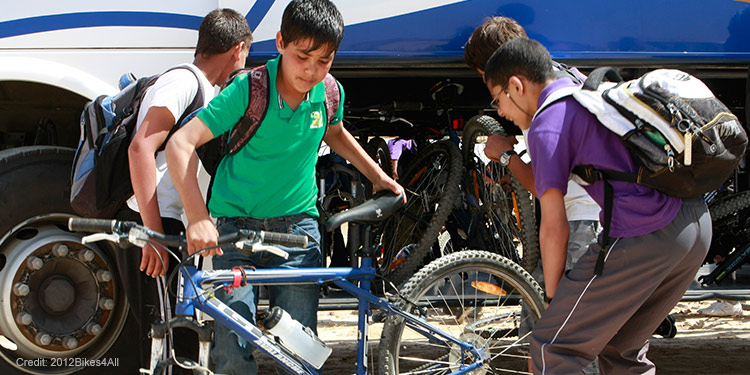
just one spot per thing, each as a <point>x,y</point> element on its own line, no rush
<point>230,353</point>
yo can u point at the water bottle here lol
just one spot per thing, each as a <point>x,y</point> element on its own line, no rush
<point>294,336</point>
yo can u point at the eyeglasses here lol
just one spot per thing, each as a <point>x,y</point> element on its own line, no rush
<point>493,103</point>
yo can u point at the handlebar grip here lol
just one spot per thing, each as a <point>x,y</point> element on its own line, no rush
<point>228,238</point>
<point>78,224</point>
<point>407,106</point>
<point>284,239</point>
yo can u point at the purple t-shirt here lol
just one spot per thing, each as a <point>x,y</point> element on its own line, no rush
<point>566,135</point>
<point>397,146</point>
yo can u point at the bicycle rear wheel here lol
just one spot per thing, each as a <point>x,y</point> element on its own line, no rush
<point>431,184</point>
<point>508,209</point>
<point>475,296</point>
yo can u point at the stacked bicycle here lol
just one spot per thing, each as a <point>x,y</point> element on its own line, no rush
<point>457,199</point>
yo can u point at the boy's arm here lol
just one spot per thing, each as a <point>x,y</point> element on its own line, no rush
<point>523,173</point>
<point>141,158</point>
<point>553,238</point>
<point>342,142</point>
<point>182,166</point>
<point>496,145</point>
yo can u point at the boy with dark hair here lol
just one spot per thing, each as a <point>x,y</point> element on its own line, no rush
<point>270,183</point>
<point>485,39</point>
<point>220,31</point>
<point>658,241</point>
<point>224,39</point>
<point>582,212</point>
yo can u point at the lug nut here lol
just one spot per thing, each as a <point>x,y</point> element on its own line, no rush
<point>20,289</point>
<point>106,304</point>
<point>60,250</point>
<point>34,263</point>
<point>93,329</point>
<point>70,342</point>
<point>43,338</point>
<point>86,255</point>
<point>103,276</point>
<point>23,318</point>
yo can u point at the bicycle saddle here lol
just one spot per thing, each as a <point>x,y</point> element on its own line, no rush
<point>372,211</point>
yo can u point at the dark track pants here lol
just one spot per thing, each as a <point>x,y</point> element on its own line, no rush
<point>146,296</point>
<point>612,316</point>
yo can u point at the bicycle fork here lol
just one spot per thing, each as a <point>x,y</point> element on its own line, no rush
<point>159,332</point>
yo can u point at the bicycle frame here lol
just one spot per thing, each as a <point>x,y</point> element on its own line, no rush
<point>343,277</point>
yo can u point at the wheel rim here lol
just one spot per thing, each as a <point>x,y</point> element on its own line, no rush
<point>61,297</point>
<point>463,307</point>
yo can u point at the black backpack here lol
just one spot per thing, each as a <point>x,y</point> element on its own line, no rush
<point>685,140</point>
<point>231,142</point>
<point>100,179</point>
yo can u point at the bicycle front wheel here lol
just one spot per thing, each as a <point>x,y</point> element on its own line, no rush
<point>475,296</point>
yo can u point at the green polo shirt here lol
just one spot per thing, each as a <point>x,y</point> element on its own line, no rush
<point>274,174</point>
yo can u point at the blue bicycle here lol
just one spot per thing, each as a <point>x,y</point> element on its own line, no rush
<point>458,315</point>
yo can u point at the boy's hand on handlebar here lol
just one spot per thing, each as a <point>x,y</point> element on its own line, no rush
<point>497,144</point>
<point>203,234</point>
<point>150,263</point>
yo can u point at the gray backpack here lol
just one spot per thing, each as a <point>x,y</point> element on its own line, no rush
<point>685,140</point>
<point>100,179</point>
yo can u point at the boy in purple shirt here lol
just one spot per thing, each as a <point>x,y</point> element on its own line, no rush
<point>657,242</point>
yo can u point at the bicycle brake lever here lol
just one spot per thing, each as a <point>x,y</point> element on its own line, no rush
<point>138,237</point>
<point>100,237</point>
<point>271,249</point>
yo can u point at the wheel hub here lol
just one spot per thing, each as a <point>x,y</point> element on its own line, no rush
<point>59,297</point>
<point>64,296</point>
<point>57,294</point>
<point>457,357</point>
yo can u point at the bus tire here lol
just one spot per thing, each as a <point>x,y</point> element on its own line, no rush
<point>59,316</point>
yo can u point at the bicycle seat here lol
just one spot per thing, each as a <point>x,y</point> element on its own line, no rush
<point>374,210</point>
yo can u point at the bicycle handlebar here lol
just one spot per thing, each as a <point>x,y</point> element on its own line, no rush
<point>124,228</point>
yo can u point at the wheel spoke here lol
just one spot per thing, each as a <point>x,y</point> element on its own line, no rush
<point>477,296</point>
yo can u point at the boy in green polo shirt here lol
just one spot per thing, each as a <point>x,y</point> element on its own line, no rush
<point>270,183</point>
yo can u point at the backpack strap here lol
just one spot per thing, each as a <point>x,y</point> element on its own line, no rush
<point>591,174</point>
<point>554,97</point>
<point>597,77</point>
<point>333,97</point>
<point>564,71</point>
<point>197,102</point>
<point>332,102</point>
<point>257,107</point>
<point>191,109</point>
